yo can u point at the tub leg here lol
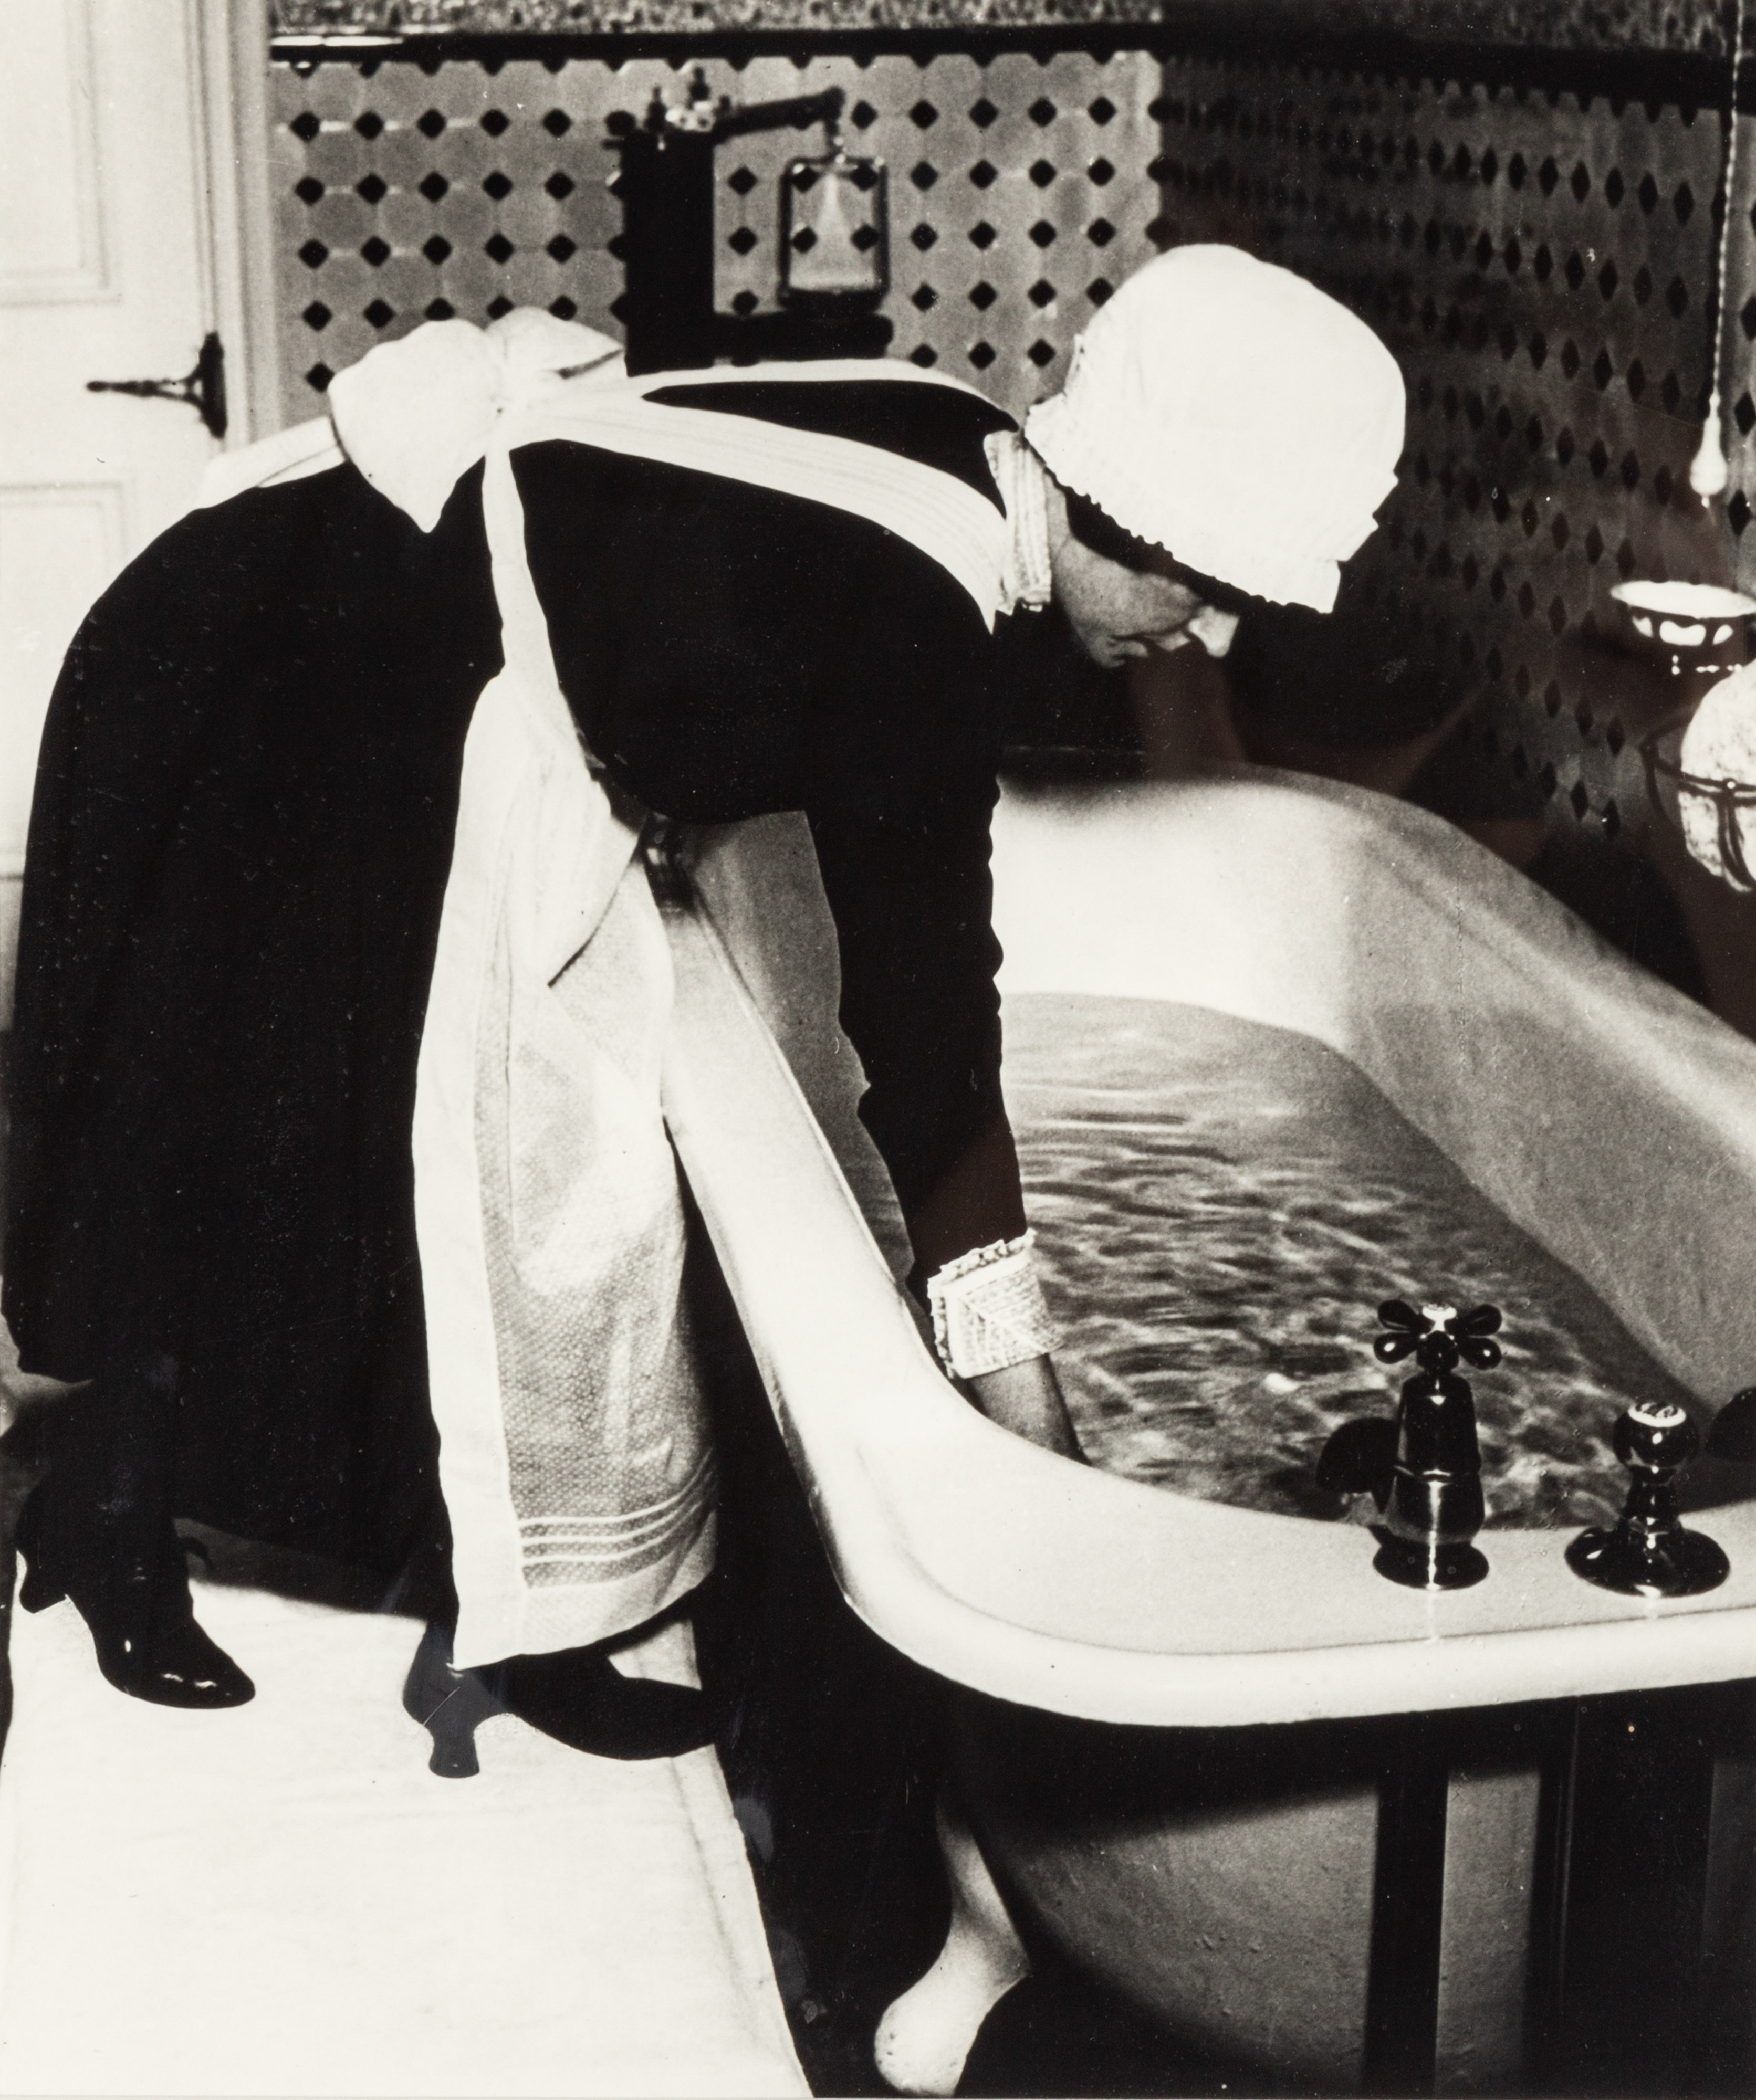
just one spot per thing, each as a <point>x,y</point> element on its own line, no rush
<point>925,2037</point>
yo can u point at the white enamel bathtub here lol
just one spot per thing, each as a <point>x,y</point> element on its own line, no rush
<point>1609,1117</point>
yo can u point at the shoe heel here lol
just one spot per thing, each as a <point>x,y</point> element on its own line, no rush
<point>37,1593</point>
<point>451,1705</point>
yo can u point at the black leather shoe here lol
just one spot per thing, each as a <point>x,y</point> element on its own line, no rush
<point>579,1697</point>
<point>98,1530</point>
<point>147,1640</point>
<point>451,1705</point>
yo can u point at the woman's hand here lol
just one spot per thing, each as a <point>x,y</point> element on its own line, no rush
<point>1025,1398</point>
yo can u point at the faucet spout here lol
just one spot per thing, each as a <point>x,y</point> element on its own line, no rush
<point>1436,1506</point>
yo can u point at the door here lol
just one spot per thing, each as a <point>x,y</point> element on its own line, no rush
<point>109,269</point>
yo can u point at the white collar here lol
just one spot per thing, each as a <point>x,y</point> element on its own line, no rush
<point>1023,484</point>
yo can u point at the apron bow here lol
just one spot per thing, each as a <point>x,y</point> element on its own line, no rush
<point>414,416</point>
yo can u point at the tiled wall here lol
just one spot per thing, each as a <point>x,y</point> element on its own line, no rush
<point>1578,25</point>
<point>1539,255</point>
<point>1020,195</point>
<point>1540,264</point>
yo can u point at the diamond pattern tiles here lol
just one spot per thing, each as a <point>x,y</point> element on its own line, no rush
<point>1738,378</point>
<point>1540,270</point>
<point>1538,265</point>
<point>404,196</point>
<point>1020,197</point>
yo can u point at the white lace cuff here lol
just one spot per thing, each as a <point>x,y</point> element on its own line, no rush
<point>1021,476</point>
<point>988,1311</point>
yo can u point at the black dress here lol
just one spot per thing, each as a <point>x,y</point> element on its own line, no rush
<point>239,848</point>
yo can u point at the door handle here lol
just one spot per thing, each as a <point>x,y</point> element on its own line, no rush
<point>204,388</point>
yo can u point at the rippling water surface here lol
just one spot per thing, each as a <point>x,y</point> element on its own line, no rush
<point>1221,1207</point>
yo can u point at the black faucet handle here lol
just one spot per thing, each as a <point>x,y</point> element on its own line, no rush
<point>1466,1332</point>
<point>1407,1327</point>
<point>1398,1313</point>
<point>1434,1507</point>
<point>1648,1552</point>
<point>1655,1437</point>
<point>1473,1331</point>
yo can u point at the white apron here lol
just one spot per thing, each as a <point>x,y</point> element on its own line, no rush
<point>574,1451</point>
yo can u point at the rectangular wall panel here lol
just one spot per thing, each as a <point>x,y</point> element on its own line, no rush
<point>51,229</point>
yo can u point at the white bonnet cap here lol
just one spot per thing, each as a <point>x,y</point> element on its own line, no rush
<point>1234,414</point>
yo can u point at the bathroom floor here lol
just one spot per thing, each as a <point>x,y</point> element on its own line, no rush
<point>281,1899</point>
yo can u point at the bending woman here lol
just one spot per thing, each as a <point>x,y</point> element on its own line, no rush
<point>339,1172</point>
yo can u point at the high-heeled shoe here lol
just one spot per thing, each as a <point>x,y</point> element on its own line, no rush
<point>98,1530</point>
<point>579,1697</point>
<point>451,1705</point>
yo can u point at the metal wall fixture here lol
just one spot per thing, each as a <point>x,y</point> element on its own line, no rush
<point>833,254</point>
<point>203,388</point>
<point>835,230</point>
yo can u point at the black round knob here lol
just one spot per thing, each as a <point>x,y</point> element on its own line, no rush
<point>1648,1552</point>
<point>1657,1437</point>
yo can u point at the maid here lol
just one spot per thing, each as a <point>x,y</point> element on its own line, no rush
<point>340,1182</point>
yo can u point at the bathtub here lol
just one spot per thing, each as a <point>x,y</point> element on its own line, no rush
<point>1176,1761</point>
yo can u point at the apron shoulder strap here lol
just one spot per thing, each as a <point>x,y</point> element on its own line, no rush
<point>948,520</point>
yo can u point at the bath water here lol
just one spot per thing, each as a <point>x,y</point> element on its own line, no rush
<point>1220,1208</point>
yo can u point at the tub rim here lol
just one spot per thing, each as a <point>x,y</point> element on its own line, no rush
<point>1239,1617</point>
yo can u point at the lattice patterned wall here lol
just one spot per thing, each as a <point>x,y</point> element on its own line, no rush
<point>1020,195</point>
<point>1738,375</point>
<point>1539,261</point>
<point>1541,268</point>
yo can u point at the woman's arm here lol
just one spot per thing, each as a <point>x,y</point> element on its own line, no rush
<point>910,896</point>
<point>904,786</point>
<point>1027,1399</point>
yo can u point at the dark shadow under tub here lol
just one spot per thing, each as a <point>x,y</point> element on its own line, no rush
<point>1221,1206</point>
